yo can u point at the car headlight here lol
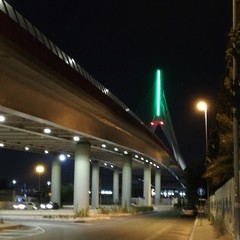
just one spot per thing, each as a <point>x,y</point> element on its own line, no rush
<point>43,206</point>
<point>21,206</point>
<point>49,206</point>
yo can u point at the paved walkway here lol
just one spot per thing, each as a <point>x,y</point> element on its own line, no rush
<point>204,230</point>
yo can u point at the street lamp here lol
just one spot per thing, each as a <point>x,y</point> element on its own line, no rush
<point>202,106</point>
<point>39,169</point>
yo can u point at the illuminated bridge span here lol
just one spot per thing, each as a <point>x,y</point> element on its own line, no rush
<point>42,87</point>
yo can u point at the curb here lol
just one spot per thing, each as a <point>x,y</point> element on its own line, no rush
<point>4,226</point>
<point>193,230</point>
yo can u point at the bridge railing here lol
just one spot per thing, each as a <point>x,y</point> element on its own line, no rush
<point>30,28</point>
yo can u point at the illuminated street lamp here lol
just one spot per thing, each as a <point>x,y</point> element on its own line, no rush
<point>202,106</point>
<point>39,169</point>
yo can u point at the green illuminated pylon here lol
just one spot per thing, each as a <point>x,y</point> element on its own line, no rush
<point>159,94</point>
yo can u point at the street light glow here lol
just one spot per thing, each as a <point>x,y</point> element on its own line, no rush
<point>40,169</point>
<point>202,106</point>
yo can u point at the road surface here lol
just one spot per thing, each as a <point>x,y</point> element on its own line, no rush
<point>158,225</point>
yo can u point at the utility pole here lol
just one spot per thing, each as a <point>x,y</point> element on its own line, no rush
<point>235,131</point>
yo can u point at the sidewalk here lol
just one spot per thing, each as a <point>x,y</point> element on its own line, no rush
<point>203,229</point>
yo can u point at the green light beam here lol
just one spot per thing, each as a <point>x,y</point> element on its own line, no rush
<point>158,93</point>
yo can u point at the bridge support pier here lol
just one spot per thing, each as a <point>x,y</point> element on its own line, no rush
<point>116,186</point>
<point>127,181</point>
<point>56,180</point>
<point>95,185</point>
<point>147,185</point>
<point>157,186</point>
<point>81,177</point>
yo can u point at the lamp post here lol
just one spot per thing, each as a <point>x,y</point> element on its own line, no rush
<point>202,106</point>
<point>39,169</point>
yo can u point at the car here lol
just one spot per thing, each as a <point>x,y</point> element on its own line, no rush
<point>25,206</point>
<point>50,205</point>
<point>189,211</point>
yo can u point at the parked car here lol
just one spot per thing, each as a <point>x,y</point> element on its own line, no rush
<point>25,206</point>
<point>50,205</point>
<point>189,211</point>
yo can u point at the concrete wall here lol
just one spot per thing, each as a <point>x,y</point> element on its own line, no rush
<point>222,205</point>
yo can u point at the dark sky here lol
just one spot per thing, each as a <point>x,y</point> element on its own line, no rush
<point>122,43</point>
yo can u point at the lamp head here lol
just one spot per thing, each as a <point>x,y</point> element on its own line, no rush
<point>202,106</point>
<point>40,169</point>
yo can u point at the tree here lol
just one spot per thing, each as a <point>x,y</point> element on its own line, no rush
<point>220,167</point>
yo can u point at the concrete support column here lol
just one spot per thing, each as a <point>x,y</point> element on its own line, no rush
<point>157,186</point>
<point>147,185</point>
<point>95,185</point>
<point>127,181</point>
<point>81,177</point>
<point>56,180</point>
<point>116,186</point>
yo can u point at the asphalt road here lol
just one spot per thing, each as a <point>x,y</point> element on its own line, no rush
<point>159,225</point>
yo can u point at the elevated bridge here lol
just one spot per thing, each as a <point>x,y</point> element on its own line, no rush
<point>42,87</point>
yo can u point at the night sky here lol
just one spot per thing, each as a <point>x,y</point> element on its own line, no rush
<point>122,43</point>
